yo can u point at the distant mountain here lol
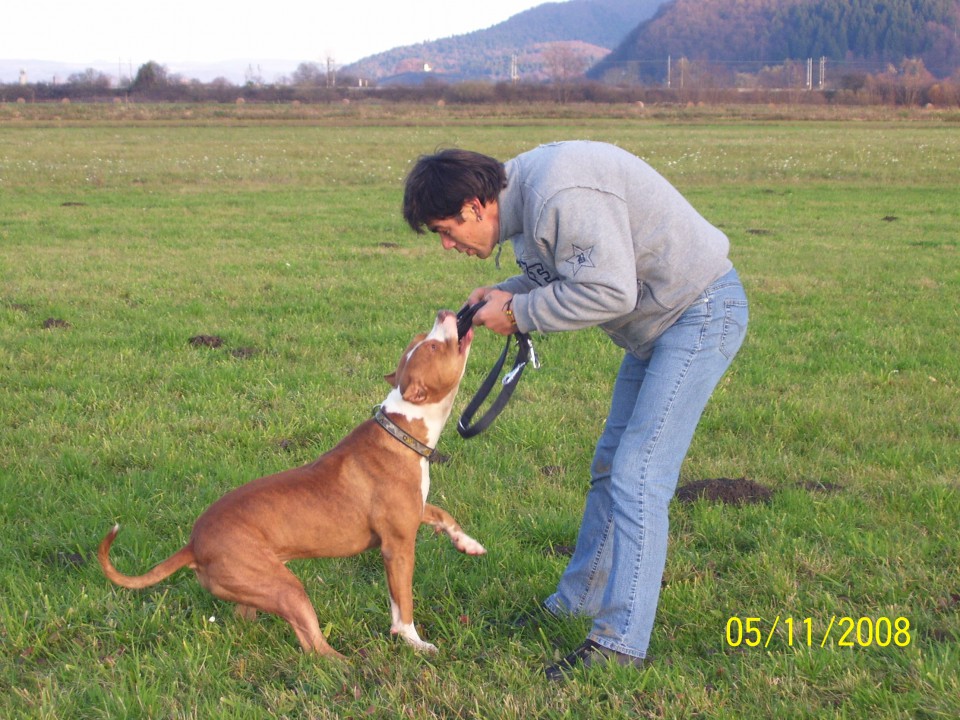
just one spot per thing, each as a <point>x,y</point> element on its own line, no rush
<point>730,31</point>
<point>590,28</point>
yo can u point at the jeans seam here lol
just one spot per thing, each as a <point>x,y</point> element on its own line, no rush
<point>595,563</point>
<point>728,322</point>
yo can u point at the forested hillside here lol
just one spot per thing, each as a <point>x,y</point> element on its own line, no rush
<point>770,31</point>
<point>594,27</point>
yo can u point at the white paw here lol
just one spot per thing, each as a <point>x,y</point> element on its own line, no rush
<point>410,636</point>
<point>424,647</point>
<point>466,544</point>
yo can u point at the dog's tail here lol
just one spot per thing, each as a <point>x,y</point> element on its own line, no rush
<point>182,558</point>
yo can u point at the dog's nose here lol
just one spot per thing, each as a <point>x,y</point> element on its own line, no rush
<point>447,323</point>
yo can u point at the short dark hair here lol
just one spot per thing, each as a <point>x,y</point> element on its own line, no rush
<point>438,185</point>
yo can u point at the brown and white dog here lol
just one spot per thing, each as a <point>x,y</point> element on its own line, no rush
<point>369,491</point>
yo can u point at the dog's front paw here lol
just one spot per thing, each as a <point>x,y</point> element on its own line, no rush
<point>466,544</point>
<point>424,647</point>
<point>410,636</point>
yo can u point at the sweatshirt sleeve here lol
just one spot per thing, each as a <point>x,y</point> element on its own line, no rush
<point>586,235</point>
<point>517,285</point>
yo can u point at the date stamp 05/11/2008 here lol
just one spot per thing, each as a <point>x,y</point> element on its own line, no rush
<point>840,631</point>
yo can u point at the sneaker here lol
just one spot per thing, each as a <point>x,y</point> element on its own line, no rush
<point>590,654</point>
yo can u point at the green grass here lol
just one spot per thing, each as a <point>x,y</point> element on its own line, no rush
<point>282,236</point>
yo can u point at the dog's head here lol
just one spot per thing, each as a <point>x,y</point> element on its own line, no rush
<point>432,366</point>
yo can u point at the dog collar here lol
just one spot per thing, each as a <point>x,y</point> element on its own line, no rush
<point>396,431</point>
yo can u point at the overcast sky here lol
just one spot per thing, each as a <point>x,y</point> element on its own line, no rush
<point>88,31</point>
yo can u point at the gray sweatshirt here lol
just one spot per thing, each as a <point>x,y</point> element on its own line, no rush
<point>602,239</point>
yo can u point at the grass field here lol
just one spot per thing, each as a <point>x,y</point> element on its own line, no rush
<point>124,233</point>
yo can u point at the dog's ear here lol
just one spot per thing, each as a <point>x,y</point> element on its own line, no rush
<point>415,392</point>
<point>391,378</point>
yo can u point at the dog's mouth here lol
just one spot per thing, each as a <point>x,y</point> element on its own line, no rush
<point>465,317</point>
<point>451,325</point>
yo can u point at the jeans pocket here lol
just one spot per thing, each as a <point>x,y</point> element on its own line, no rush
<point>735,317</point>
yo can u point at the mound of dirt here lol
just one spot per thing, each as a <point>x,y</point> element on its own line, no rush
<point>726,491</point>
<point>213,341</point>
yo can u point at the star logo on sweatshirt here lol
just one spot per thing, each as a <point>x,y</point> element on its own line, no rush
<point>581,258</point>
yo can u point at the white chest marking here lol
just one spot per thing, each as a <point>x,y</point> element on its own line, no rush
<point>424,479</point>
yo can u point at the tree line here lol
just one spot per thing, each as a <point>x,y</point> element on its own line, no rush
<point>908,83</point>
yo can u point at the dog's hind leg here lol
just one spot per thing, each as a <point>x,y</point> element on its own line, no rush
<point>442,521</point>
<point>273,589</point>
<point>295,607</point>
<point>246,612</point>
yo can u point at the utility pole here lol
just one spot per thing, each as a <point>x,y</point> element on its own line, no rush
<point>331,71</point>
<point>823,71</point>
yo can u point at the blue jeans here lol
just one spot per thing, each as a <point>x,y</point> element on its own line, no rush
<point>614,575</point>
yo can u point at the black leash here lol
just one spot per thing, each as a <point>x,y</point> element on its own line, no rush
<point>525,354</point>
